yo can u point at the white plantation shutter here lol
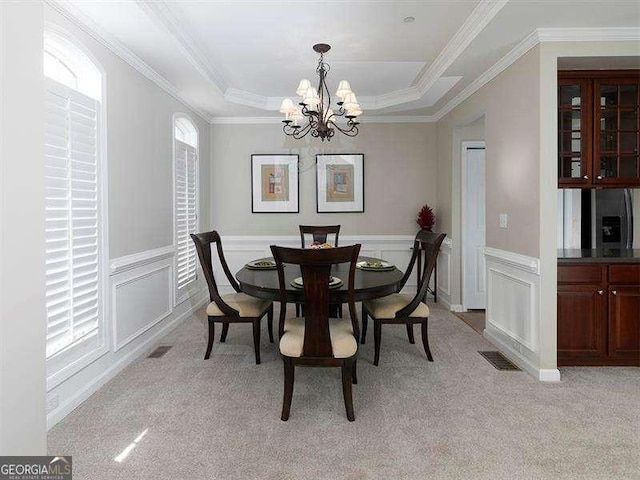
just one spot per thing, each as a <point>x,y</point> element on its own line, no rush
<point>186,221</point>
<point>72,218</point>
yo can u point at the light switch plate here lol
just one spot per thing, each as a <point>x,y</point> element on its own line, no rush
<point>504,220</point>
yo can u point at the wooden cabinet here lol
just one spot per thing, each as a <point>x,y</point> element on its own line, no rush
<point>574,131</point>
<point>581,322</point>
<point>624,322</point>
<point>598,128</point>
<point>599,314</point>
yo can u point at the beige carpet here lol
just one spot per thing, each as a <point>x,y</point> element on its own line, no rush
<point>456,418</point>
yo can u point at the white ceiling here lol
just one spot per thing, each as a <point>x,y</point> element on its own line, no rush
<point>240,58</point>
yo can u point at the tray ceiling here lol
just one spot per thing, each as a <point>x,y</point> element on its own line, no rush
<point>238,59</point>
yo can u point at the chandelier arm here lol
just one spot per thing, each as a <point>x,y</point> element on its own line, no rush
<point>353,127</point>
<point>318,124</point>
<point>296,133</point>
<point>301,132</point>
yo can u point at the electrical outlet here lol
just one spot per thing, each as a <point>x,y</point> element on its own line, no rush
<point>504,220</point>
<point>51,403</point>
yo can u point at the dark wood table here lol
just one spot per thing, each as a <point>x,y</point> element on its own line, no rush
<point>368,284</point>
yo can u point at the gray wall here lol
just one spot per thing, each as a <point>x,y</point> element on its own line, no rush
<point>22,278</point>
<point>399,175</point>
<point>510,105</point>
<point>139,151</point>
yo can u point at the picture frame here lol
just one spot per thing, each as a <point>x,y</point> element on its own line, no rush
<point>340,183</point>
<point>274,183</point>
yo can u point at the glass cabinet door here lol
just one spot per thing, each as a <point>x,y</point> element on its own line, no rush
<point>617,131</point>
<point>574,139</point>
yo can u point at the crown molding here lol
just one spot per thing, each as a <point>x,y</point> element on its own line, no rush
<point>618,34</point>
<point>473,25</point>
<point>470,29</point>
<point>87,25</point>
<point>245,120</point>
<point>163,17</point>
<point>540,35</point>
<point>496,69</point>
<point>248,99</point>
<point>398,119</point>
<point>278,120</point>
<point>159,12</point>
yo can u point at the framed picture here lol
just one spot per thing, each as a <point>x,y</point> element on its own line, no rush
<point>340,183</point>
<point>274,184</point>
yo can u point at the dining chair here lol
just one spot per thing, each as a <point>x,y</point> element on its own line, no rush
<point>229,308</point>
<point>319,233</point>
<point>316,339</point>
<point>400,308</point>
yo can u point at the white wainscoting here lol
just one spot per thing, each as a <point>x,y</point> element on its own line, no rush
<point>512,315</point>
<point>142,313</point>
<point>443,267</point>
<point>140,298</point>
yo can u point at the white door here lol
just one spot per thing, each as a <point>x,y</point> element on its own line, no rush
<point>473,226</point>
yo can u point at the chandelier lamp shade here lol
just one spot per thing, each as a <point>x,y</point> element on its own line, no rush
<point>314,113</point>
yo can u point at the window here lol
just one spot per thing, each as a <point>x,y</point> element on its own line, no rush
<point>74,230</point>
<point>185,203</point>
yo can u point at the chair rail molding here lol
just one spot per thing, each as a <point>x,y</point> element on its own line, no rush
<point>512,259</point>
<point>135,260</point>
<point>513,306</point>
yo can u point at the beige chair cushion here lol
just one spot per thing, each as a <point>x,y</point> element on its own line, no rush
<point>386,307</point>
<point>247,305</point>
<point>343,343</point>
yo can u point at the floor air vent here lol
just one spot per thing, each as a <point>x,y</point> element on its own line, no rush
<point>499,361</point>
<point>159,352</point>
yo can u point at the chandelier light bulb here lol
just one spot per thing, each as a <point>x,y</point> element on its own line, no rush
<point>303,86</point>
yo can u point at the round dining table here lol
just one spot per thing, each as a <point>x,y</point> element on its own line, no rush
<point>263,283</point>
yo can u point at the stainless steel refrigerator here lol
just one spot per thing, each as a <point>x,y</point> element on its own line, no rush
<point>595,218</point>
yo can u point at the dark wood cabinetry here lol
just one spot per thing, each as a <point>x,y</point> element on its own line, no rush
<point>624,322</point>
<point>598,128</point>
<point>581,322</point>
<point>599,314</point>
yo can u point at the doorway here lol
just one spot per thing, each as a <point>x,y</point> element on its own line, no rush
<point>474,290</point>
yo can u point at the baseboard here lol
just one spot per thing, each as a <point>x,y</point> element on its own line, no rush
<point>73,402</point>
<point>444,301</point>
<point>544,375</point>
<point>549,375</point>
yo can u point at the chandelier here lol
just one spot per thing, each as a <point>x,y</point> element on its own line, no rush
<point>315,106</point>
